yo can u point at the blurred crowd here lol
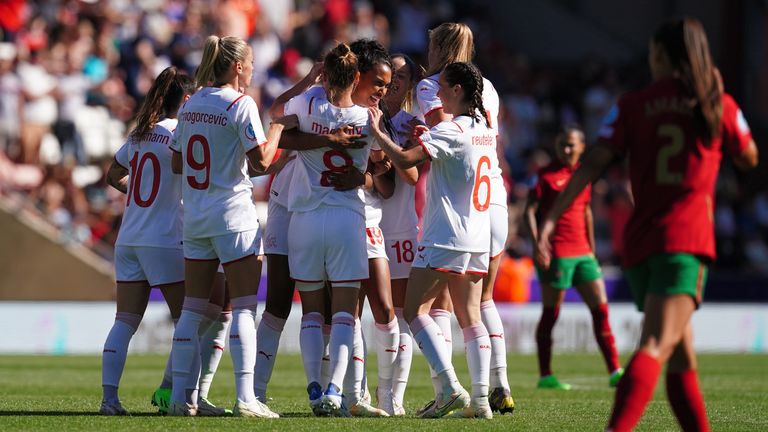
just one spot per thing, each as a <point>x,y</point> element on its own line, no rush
<point>72,73</point>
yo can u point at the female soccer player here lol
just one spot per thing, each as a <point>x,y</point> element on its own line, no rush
<point>453,42</point>
<point>148,248</point>
<point>399,223</point>
<point>326,236</point>
<point>674,133</point>
<point>455,245</point>
<point>573,262</point>
<point>218,129</point>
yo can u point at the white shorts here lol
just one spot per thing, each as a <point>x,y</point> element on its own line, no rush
<point>401,253</point>
<point>157,266</point>
<point>327,243</point>
<point>450,261</point>
<point>260,234</point>
<point>226,248</point>
<point>374,241</point>
<point>499,229</point>
<point>275,239</point>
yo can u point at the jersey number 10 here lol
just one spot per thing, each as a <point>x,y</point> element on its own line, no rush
<point>137,168</point>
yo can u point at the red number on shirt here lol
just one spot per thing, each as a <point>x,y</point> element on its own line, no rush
<point>328,160</point>
<point>205,164</point>
<point>137,168</point>
<point>404,251</point>
<point>374,235</point>
<point>676,144</point>
<point>479,180</point>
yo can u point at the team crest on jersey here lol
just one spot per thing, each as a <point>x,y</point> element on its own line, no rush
<point>250,133</point>
<point>339,115</point>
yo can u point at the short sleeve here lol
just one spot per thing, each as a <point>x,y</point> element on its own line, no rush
<point>736,132</point>
<point>248,124</point>
<point>426,96</point>
<point>122,156</point>
<point>175,144</point>
<point>298,105</point>
<point>612,130</point>
<point>440,141</point>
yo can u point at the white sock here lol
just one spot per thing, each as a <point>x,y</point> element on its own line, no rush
<point>325,364</point>
<point>340,346</point>
<point>186,347</point>
<point>116,351</point>
<point>478,347</point>
<point>387,341</point>
<point>168,372</point>
<point>353,379</point>
<point>212,345</point>
<point>443,319</point>
<point>267,343</point>
<point>242,345</point>
<point>311,343</point>
<point>426,333</point>
<point>493,324</point>
<point>402,366</point>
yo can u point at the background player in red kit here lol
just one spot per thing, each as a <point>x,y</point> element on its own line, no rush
<point>674,133</point>
<point>573,262</point>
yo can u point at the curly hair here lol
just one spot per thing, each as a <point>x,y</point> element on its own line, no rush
<point>369,53</point>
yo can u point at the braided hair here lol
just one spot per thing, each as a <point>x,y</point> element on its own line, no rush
<point>470,79</point>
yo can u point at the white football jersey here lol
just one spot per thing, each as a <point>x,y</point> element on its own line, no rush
<point>278,191</point>
<point>399,217</point>
<point>456,216</point>
<point>153,208</point>
<point>217,127</point>
<point>426,95</point>
<point>310,187</point>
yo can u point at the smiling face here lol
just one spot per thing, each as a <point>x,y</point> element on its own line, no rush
<point>372,85</point>
<point>401,82</point>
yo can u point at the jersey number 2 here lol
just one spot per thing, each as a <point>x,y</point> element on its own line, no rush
<point>480,180</point>
<point>676,143</point>
<point>137,168</point>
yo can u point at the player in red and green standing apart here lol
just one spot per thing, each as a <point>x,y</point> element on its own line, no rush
<point>573,261</point>
<point>674,133</point>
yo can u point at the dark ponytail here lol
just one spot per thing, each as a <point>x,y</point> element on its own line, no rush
<point>685,43</point>
<point>470,79</point>
<point>163,98</point>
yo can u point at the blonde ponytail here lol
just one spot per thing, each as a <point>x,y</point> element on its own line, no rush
<point>218,56</point>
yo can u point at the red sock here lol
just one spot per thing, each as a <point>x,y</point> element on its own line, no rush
<point>544,339</point>
<point>686,400</point>
<point>604,337</point>
<point>634,392</point>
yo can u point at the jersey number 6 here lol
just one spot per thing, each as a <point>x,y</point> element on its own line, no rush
<point>479,180</point>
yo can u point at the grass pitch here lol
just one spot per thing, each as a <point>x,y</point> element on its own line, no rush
<point>63,393</point>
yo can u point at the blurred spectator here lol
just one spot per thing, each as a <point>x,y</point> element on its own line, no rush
<point>72,73</point>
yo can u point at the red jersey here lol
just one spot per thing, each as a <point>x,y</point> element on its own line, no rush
<point>673,169</point>
<point>570,237</point>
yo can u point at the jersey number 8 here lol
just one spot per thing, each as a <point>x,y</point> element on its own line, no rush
<point>333,168</point>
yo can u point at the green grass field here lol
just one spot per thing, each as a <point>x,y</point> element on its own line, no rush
<point>63,393</point>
